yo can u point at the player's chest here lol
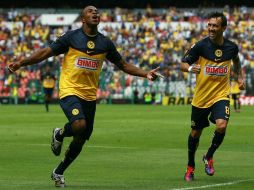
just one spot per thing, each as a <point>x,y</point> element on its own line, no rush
<point>216,54</point>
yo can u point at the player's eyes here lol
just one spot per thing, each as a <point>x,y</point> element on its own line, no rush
<point>213,25</point>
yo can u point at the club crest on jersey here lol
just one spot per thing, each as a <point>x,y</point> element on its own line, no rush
<point>216,70</point>
<point>91,64</point>
<point>90,44</point>
<point>218,53</point>
<point>75,111</point>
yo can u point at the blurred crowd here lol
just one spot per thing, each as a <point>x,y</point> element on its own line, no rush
<point>147,38</point>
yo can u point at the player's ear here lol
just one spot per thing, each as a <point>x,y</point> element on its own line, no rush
<point>82,19</point>
<point>224,28</point>
<point>81,16</point>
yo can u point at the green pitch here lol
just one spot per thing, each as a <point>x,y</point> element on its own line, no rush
<point>132,148</point>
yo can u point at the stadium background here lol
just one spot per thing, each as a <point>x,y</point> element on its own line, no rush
<point>135,147</point>
<point>147,33</point>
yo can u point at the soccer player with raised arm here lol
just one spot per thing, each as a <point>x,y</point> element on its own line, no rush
<point>210,59</point>
<point>84,51</point>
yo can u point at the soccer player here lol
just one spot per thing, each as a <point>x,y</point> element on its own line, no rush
<point>235,94</point>
<point>48,82</point>
<point>210,59</point>
<point>84,51</point>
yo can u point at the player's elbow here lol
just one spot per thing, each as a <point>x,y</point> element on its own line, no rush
<point>47,52</point>
<point>123,66</point>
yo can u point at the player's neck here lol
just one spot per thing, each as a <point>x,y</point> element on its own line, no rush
<point>90,31</point>
<point>218,41</point>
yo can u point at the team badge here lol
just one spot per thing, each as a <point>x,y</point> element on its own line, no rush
<point>75,111</point>
<point>218,53</point>
<point>90,44</point>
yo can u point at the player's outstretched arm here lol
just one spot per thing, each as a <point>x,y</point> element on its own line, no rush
<point>36,57</point>
<point>133,70</point>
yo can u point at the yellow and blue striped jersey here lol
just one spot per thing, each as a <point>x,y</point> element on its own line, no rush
<point>213,81</point>
<point>48,80</point>
<point>83,59</point>
<point>235,87</point>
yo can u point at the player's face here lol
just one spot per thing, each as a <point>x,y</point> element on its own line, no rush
<point>91,16</point>
<point>215,30</point>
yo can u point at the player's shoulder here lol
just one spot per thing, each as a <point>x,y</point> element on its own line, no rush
<point>228,42</point>
<point>73,32</point>
<point>105,40</point>
<point>203,42</point>
<point>103,37</point>
<point>200,44</point>
<point>68,36</point>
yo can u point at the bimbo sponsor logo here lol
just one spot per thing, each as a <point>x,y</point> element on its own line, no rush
<point>91,64</point>
<point>216,70</point>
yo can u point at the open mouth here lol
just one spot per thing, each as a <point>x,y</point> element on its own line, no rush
<point>211,33</point>
<point>95,17</point>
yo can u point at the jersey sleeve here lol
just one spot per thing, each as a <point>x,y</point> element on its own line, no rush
<point>192,55</point>
<point>113,55</point>
<point>61,45</point>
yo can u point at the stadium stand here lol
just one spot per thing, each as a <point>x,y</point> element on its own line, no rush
<point>146,37</point>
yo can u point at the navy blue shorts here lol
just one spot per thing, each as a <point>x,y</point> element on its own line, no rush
<point>200,116</point>
<point>48,91</point>
<point>76,108</point>
<point>236,96</point>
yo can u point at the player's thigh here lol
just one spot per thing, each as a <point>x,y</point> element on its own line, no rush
<point>89,108</point>
<point>72,108</point>
<point>199,118</point>
<point>221,110</point>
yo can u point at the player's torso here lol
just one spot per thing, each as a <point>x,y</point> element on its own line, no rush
<point>213,84</point>
<point>235,87</point>
<point>48,81</point>
<point>82,65</point>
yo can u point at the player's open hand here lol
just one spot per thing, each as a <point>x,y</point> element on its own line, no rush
<point>13,67</point>
<point>16,63</point>
<point>154,74</point>
<point>195,68</point>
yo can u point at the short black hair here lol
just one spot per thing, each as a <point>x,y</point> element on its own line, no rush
<point>220,15</point>
<point>81,14</point>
